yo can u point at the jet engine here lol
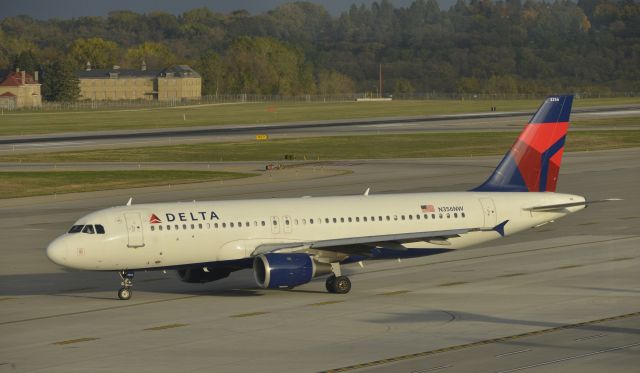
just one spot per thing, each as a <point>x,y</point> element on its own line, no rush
<point>277,271</point>
<point>199,275</point>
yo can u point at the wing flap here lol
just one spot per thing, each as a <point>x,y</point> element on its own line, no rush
<point>393,241</point>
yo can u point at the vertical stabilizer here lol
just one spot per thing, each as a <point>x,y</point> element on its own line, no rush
<point>533,162</point>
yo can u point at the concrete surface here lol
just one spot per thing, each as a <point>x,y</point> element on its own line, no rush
<point>579,269</point>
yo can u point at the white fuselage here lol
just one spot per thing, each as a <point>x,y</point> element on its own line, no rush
<point>165,235</point>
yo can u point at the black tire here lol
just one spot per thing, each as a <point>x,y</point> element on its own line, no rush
<point>342,285</point>
<point>330,284</point>
<point>124,293</point>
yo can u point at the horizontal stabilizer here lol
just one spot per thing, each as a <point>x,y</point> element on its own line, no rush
<point>561,206</point>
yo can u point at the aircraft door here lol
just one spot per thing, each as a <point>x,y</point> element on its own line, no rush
<point>275,224</point>
<point>489,211</point>
<point>134,229</point>
<point>287,224</point>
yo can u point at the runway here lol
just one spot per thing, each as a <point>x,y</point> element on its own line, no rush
<point>497,121</point>
<point>561,297</point>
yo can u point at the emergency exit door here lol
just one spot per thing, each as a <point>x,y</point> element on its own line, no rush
<point>134,229</point>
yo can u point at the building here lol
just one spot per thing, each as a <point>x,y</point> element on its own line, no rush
<point>20,90</point>
<point>178,83</point>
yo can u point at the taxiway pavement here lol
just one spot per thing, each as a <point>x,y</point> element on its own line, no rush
<point>535,288</point>
<point>496,121</point>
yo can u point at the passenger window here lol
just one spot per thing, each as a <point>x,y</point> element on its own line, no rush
<point>402,217</point>
<point>159,227</point>
<point>448,215</point>
<point>230,225</point>
<point>410,217</point>
<point>239,224</point>
<point>326,220</point>
<point>184,226</point>
<point>440,216</point>
<point>246,224</point>
<point>379,218</point>
<point>433,216</point>
<point>364,218</point>
<point>417,216</point>
<point>395,217</point>
<point>463,215</point>
<point>177,227</point>
<point>193,226</point>
<point>263,223</point>
<point>335,220</point>
<point>200,225</point>
<point>286,221</point>
<point>224,225</point>
<point>153,228</point>
<point>76,229</point>
<point>349,219</point>
<point>275,222</point>
<point>99,229</point>
<point>88,229</point>
<point>455,214</point>
<point>168,227</point>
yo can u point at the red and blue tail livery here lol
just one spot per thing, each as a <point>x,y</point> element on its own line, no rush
<point>533,162</point>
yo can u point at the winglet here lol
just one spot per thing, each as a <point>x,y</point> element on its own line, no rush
<point>130,200</point>
<point>500,227</point>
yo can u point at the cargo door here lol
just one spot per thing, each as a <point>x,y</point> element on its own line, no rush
<point>134,229</point>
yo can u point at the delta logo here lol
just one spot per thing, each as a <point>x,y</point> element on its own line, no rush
<point>185,216</point>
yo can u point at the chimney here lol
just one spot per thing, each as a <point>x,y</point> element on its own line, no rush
<point>88,68</point>
<point>35,76</point>
<point>24,77</point>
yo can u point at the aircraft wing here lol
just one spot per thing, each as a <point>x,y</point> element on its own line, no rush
<point>392,241</point>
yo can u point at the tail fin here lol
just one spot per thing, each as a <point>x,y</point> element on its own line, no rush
<point>533,162</point>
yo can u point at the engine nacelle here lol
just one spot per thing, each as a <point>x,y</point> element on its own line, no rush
<point>199,275</point>
<point>277,271</point>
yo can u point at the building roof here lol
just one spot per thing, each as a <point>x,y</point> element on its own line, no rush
<point>14,79</point>
<point>178,71</point>
<point>107,73</point>
<point>7,94</point>
<point>181,71</point>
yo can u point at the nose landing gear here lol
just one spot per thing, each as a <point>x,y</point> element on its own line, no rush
<point>127,282</point>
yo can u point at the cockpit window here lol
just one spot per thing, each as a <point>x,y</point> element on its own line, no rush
<point>76,229</point>
<point>88,229</point>
<point>99,229</point>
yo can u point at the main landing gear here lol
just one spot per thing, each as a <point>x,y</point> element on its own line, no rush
<point>336,283</point>
<point>127,282</point>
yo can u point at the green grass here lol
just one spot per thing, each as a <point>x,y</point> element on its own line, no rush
<point>339,147</point>
<point>25,184</point>
<point>611,121</point>
<point>56,122</point>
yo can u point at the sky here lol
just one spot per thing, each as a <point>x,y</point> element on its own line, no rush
<point>65,9</point>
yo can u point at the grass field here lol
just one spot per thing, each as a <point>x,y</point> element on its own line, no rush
<point>340,147</point>
<point>24,184</point>
<point>251,113</point>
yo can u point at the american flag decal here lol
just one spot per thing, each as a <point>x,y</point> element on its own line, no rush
<point>427,208</point>
<point>154,219</point>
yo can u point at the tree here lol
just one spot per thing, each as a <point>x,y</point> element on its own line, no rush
<point>98,52</point>
<point>26,61</point>
<point>155,55</point>
<point>333,82</point>
<point>403,86</point>
<point>60,82</point>
<point>212,70</point>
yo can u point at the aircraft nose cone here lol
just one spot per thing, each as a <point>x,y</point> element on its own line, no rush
<point>57,251</point>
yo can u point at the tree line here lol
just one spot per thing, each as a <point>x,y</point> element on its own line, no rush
<point>476,46</point>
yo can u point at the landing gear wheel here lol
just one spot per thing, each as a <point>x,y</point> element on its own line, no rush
<point>127,282</point>
<point>341,285</point>
<point>330,283</point>
<point>124,293</point>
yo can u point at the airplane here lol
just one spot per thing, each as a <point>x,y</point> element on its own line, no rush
<point>289,241</point>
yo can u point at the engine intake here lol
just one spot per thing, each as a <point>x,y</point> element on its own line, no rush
<point>199,275</point>
<point>277,271</point>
